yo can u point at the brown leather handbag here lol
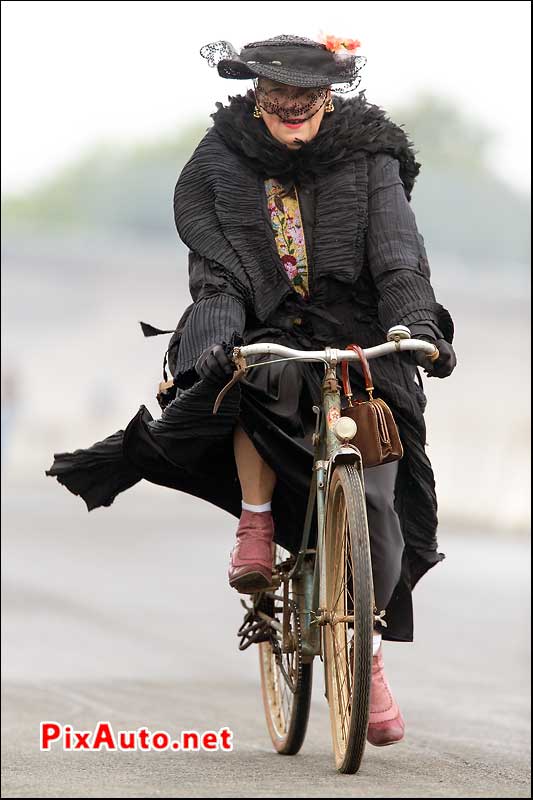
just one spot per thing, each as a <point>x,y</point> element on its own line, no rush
<point>377,436</point>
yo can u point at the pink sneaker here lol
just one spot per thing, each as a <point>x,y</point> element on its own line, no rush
<point>386,725</point>
<point>250,568</point>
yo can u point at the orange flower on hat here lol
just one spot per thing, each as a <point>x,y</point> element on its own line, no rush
<point>352,44</point>
<point>335,45</point>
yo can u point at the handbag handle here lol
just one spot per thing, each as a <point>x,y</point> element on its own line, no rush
<point>366,373</point>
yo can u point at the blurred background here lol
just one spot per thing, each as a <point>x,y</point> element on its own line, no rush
<point>102,104</point>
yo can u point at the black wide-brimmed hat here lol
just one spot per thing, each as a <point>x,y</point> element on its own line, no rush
<point>292,60</point>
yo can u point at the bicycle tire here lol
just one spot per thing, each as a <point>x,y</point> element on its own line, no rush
<point>349,593</point>
<point>286,712</point>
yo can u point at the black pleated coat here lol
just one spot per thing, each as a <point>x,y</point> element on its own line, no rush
<point>368,271</point>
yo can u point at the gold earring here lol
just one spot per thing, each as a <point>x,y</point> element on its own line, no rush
<point>329,107</point>
<point>257,113</point>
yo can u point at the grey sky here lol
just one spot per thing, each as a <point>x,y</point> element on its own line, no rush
<point>77,73</point>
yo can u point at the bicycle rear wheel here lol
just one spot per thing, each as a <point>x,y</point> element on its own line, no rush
<point>349,616</point>
<point>286,682</point>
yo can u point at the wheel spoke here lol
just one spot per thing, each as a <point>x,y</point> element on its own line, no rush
<point>345,548</point>
<point>344,657</point>
<point>339,694</point>
<point>337,561</point>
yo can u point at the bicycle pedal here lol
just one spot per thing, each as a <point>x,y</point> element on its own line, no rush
<point>250,583</point>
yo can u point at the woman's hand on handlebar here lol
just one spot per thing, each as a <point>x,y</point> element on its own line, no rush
<point>446,362</point>
<point>214,365</point>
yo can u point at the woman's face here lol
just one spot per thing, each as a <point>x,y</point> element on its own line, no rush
<point>273,94</point>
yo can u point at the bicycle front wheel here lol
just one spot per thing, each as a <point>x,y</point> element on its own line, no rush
<point>349,616</point>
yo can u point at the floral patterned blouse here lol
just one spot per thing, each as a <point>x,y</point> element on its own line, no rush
<point>286,219</point>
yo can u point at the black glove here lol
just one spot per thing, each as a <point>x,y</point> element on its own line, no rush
<point>214,364</point>
<point>444,365</point>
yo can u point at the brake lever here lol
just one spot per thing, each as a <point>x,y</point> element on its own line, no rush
<point>240,363</point>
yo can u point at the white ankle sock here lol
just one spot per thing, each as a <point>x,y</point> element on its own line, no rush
<point>262,507</point>
<point>376,639</point>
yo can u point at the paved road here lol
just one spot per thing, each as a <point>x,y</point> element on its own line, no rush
<point>124,615</point>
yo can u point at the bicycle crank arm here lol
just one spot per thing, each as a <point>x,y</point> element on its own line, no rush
<point>272,622</point>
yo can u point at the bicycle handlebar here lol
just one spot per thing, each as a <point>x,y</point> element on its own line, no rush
<point>331,354</point>
<point>399,339</point>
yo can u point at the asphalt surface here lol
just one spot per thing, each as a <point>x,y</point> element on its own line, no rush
<point>124,615</point>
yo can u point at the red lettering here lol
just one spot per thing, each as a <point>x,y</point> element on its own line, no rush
<point>144,735</point>
<point>128,744</point>
<point>50,732</point>
<point>160,740</point>
<point>104,736</point>
<point>67,741</point>
<point>186,736</point>
<point>82,737</point>
<point>209,740</point>
<point>226,736</point>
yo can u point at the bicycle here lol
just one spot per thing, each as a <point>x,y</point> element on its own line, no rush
<point>324,595</point>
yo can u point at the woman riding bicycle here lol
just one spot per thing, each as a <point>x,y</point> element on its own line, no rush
<point>295,209</point>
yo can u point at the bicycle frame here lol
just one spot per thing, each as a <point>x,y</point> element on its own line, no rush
<point>307,572</point>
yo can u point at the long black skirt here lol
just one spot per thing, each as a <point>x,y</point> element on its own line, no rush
<point>191,449</point>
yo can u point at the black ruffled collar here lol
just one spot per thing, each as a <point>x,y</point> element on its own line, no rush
<point>354,126</point>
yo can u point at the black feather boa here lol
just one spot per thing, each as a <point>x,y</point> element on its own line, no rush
<point>354,126</point>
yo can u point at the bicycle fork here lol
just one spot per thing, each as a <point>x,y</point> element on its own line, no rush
<point>333,450</point>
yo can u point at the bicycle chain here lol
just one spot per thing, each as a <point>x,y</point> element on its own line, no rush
<point>297,631</point>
